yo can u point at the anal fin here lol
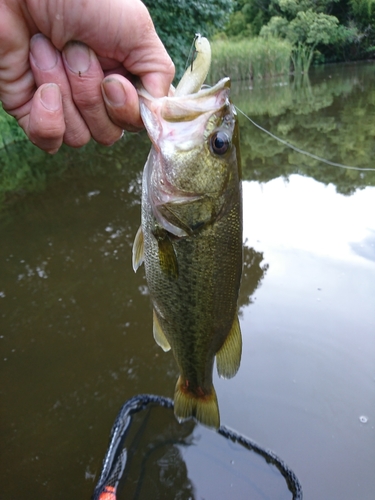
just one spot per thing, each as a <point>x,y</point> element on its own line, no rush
<point>228,358</point>
<point>159,335</point>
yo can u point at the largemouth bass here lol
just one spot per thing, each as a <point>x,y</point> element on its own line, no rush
<point>190,238</point>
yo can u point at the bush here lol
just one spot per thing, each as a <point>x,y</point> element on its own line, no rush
<point>250,58</point>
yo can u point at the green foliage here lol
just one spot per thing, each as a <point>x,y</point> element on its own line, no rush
<point>363,11</point>
<point>238,26</point>
<point>177,21</point>
<point>312,28</point>
<point>305,31</point>
<point>291,8</point>
<point>248,59</point>
<point>9,130</point>
<point>320,30</point>
<point>301,58</point>
<point>14,174</point>
<point>248,18</point>
<point>276,27</point>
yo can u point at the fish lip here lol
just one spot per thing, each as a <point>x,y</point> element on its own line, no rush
<point>184,108</point>
<point>203,92</point>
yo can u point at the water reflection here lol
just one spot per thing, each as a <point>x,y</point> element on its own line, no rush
<point>254,270</point>
<point>76,324</point>
<point>365,248</point>
<point>155,464</point>
<point>187,461</point>
<point>332,117</point>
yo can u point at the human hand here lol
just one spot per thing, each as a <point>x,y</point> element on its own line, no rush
<point>66,68</point>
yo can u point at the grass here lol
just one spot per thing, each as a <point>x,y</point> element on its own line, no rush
<point>249,59</point>
<point>302,57</point>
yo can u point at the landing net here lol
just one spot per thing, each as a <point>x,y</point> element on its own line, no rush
<point>116,458</point>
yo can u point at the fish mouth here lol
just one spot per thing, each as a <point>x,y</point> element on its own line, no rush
<point>182,118</point>
<point>206,100</point>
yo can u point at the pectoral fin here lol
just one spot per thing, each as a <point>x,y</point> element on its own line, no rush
<point>167,255</point>
<point>138,249</point>
<point>228,358</point>
<point>159,335</point>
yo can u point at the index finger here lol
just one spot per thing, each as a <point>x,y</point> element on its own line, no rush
<point>125,34</point>
<point>17,84</point>
<point>152,64</point>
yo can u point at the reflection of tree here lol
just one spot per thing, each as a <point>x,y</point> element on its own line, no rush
<point>333,119</point>
<point>155,467</point>
<point>171,472</point>
<point>24,168</point>
<point>330,117</point>
<point>252,275</point>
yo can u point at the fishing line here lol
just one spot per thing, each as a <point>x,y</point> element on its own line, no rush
<point>301,151</point>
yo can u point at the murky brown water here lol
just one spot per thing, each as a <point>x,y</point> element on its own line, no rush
<point>76,324</point>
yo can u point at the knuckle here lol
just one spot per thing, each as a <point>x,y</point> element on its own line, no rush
<point>91,106</point>
<point>40,132</point>
<point>109,139</point>
<point>49,138</point>
<point>77,137</point>
<point>170,69</point>
<point>88,99</point>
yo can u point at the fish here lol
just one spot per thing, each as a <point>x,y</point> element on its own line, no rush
<point>190,238</point>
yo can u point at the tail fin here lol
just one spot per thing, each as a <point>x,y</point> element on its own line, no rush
<point>204,408</point>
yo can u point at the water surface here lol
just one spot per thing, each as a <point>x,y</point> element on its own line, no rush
<point>76,323</point>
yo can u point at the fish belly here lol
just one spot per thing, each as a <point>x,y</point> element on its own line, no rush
<point>196,305</point>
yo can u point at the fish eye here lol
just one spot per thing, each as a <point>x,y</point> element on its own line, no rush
<point>219,143</point>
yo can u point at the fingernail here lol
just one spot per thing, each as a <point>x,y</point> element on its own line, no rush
<point>77,56</point>
<point>114,92</point>
<point>43,52</point>
<point>51,97</point>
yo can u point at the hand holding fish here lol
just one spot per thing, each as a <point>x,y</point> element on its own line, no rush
<point>66,68</point>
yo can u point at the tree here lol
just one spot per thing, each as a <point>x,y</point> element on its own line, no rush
<point>304,29</point>
<point>177,21</point>
<point>353,37</point>
<point>363,11</point>
<point>248,17</point>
